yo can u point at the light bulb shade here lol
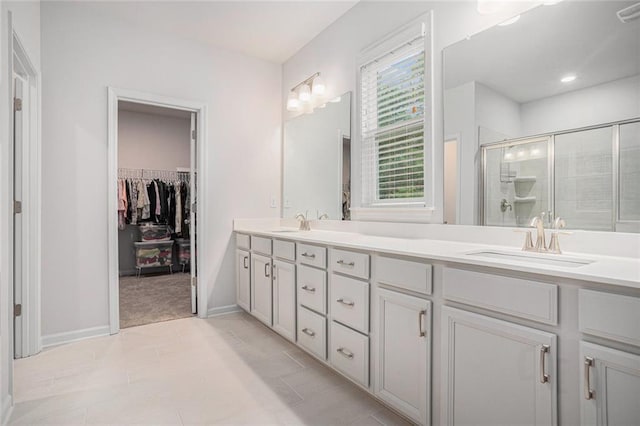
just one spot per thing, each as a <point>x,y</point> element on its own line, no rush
<point>318,86</point>
<point>304,93</point>
<point>293,104</point>
<point>307,108</point>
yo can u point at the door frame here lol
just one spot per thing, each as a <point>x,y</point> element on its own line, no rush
<point>30,169</point>
<point>200,108</point>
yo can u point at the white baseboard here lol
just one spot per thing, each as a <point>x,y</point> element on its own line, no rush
<point>73,336</point>
<point>7,408</point>
<point>221,310</point>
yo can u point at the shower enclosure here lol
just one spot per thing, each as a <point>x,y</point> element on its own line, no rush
<point>589,176</point>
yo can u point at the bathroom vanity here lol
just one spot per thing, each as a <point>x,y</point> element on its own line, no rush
<point>450,331</point>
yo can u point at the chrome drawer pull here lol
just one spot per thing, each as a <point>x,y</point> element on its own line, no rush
<point>588,393</point>
<point>544,377</point>
<point>267,266</point>
<point>343,263</point>
<point>345,353</point>
<point>309,332</point>
<point>309,289</point>
<point>245,261</point>
<point>310,256</point>
<point>345,302</point>
<point>421,316</point>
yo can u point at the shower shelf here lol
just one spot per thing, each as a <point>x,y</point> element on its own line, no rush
<point>523,200</point>
<point>524,179</point>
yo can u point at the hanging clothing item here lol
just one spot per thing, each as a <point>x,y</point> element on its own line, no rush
<point>127,185</point>
<point>122,204</point>
<point>133,207</point>
<point>178,218</point>
<point>151,193</point>
<point>143,201</point>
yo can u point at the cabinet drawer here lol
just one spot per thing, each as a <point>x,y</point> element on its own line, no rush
<point>611,316</point>
<point>312,332</point>
<point>350,302</point>
<point>522,298</point>
<point>402,273</point>
<point>243,241</point>
<point>284,250</point>
<point>350,263</point>
<point>349,353</point>
<point>261,245</point>
<point>312,288</point>
<point>312,255</point>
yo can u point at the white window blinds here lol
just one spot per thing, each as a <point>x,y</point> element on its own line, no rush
<point>393,108</point>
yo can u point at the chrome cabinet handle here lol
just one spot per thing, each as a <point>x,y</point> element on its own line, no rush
<point>311,256</point>
<point>345,302</point>
<point>421,316</point>
<point>245,262</point>
<point>343,263</point>
<point>345,353</point>
<point>309,332</point>
<point>266,269</point>
<point>588,392</point>
<point>309,289</point>
<point>544,377</point>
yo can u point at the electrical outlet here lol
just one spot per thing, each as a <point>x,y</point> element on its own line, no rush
<point>274,202</point>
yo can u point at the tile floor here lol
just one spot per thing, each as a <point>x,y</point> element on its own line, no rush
<point>224,370</point>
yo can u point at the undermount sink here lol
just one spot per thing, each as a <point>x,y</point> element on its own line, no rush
<point>539,258</point>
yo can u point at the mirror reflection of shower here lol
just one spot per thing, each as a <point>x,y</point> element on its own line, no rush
<point>584,176</point>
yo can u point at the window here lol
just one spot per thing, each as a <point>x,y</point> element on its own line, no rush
<point>395,117</point>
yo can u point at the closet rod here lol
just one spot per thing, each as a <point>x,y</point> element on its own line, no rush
<point>125,173</point>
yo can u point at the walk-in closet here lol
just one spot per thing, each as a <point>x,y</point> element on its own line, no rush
<point>155,223</point>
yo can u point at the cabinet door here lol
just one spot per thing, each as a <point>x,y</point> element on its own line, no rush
<point>610,386</point>
<point>261,288</point>
<point>284,299</point>
<point>243,280</point>
<point>403,339</point>
<point>496,372</point>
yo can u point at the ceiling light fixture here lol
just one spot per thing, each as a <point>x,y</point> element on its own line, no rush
<point>568,78</point>
<point>509,21</point>
<point>307,94</point>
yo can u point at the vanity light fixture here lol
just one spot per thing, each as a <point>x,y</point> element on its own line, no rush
<point>307,94</point>
<point>509,21</point>
<point>568,78</point>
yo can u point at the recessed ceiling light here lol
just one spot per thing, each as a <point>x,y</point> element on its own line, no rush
<point>568,78</point>
<point>509,21</point>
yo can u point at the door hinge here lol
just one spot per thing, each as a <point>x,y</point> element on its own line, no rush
<point>17,207</point>
<point>17,104</point>
<point>17,310</point>
<point>193,134</point>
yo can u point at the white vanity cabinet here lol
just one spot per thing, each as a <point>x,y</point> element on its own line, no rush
<point>403,349</point>
<point>261,288</point>
<point>284,289</point>
<point>243,271</point>
<point>496,372</point>
<point>243,279</point>
<point>610,384</point>
<point>610,378</point>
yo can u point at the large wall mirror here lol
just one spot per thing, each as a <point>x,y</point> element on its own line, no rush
<point>543,115</point>
<point>316,162</point>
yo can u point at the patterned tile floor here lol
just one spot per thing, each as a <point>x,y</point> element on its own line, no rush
<point>224,370</point>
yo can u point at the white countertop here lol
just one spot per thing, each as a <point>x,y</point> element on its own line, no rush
<point>619,271</point>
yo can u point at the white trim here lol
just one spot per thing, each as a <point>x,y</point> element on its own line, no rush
<point>7,410</point>
<point>200,108</point>
<point>393,214</point>
<point>223,310</point>
<point>74,336</point>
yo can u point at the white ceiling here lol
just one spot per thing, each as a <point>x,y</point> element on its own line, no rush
<point>270,30</point>
<point>526,60</point>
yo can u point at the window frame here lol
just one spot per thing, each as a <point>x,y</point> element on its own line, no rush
<point>410,209</point>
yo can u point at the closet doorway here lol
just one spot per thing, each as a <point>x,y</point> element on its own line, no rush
<point>154,147</point>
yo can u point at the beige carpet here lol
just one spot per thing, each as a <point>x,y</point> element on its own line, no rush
<point>152,299</point>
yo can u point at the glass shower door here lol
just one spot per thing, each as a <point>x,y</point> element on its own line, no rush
<point>516,182</point>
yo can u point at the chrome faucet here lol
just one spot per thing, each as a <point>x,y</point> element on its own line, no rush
<point>304,222</point>
<point>323,216</point>
<point>541,245</point>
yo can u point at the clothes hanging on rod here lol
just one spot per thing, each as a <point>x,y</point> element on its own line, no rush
<point>155,196</point>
